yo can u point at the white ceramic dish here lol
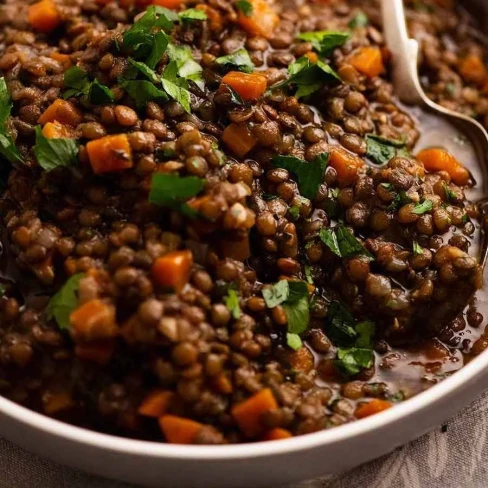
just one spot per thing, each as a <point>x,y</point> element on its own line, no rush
<point>257,465</point>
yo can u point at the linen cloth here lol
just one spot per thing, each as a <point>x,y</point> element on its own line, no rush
<point>450,456</point>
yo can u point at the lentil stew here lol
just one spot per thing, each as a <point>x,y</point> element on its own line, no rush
<point>216,225</point>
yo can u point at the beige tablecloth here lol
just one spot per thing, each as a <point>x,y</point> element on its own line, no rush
<point>451,456</point>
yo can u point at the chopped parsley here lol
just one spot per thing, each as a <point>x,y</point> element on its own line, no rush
<point>294,212</point>
<point>245,7</point>
<point>293,295</point>
<point>308,77</point>
<point>417,249</point>
<point>8,149</point>
<point>172,191</point>
<point>232,304</point>
<point>293,341</point>
<point>64,302</point>
<point>355,341</point>
<point>53,153</point>
<point>309,175</point>
<point>381,150</point>
<point>450,195</point>
<point>401,198</point>
<point>188,68</point>
<point>423,207</point>
<point>239,59</point>
<point>192,14</point>
<point>143,92</point>
<point>176,87</point>
<point>359,20</point>
<point>324,42</point>
<point>78,83</point>
<point>342,242</point>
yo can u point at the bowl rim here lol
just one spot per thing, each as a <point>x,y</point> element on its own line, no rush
<point>413,406</point>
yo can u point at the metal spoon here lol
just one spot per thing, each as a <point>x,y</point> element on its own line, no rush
<point>461,135</point>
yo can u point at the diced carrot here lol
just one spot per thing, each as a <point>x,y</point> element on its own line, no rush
<point>249,86</point>
<point>110,153</point>
<point>173,269</point>
<point>44,16</point>
<point>238,247</point>
<point>99,352</point>
<point>277,434</point>
<point>239,139</point>
<point>301,360</point>
<point>55,130</point>
<point>372,407</point>
<point>437,159</point>
<point>473,70</point>
<point>54,403</point>
<point>312,56</point>
<point>248,414</point>
<point>63,112</point>
<point>215,20</point>
<point>179,430</point>
<point>156,403</point>
<point>64,59</point>
<point>346,165</point>
<point>94,320</point>
<point>368,61</point>
<point>261,21</point>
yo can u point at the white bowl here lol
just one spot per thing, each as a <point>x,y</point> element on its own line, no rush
<point>258,464</point>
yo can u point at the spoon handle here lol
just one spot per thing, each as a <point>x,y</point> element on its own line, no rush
<point>405,53</point>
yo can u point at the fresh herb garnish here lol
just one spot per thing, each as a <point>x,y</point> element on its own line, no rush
<point>417,249</point>
<point>324,42</point>
<point>308,77</point>
<point>245,7</point>
<point>8,149</point>
<point>309,175</point>
<point>293,295</point>
<point>308,274</point>
<point>53,153</point>
<point>359,20</point>
<point>64,302</point>
<point>450,195</point>
<point>423,207</point>
<point>232,304</point>
<point>342,242</point>
<point>381,150</point>
<point>172,191</point>
<point>235,98</point>
<point>78,83</point>
<point>340,325</point>
<point>293,341</point>
<point>365,331</point>
<point>294,212</point>
<point>192,14</point>
<point>401,198</point>
<point>143,92</point>
<point>175,87</point>
<point>239,59</point>
<point>352,361</point>
<point>188,68</point>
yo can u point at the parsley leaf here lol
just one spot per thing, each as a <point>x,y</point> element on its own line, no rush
<point>401,198</point>
<point>342,242</point>
<point>78,84</point>
<point>309,174</point>
<point>64,302</point>
<point>365,332</point>
<point>340,325</point>
<point>52,153</point>
<point>193,14</point>
<point>359,20</point>
<point>423,207</point>
<point>232,304</point>
<point>324,42</point>
<point>245,7</point>
<point>8,149</point>
<point>450,195</point>
<point>381,150</point>
<point>308,77</point>
<point>143,92</point>
<point>188,68</point>
<point>176,88</point>
<point>239,59</point>
<point>308,274</point>
<point>294,297</point>
<point>293,341</point>
<point>352,361</point>
<point>172,191</point>
<point>417,249</point>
